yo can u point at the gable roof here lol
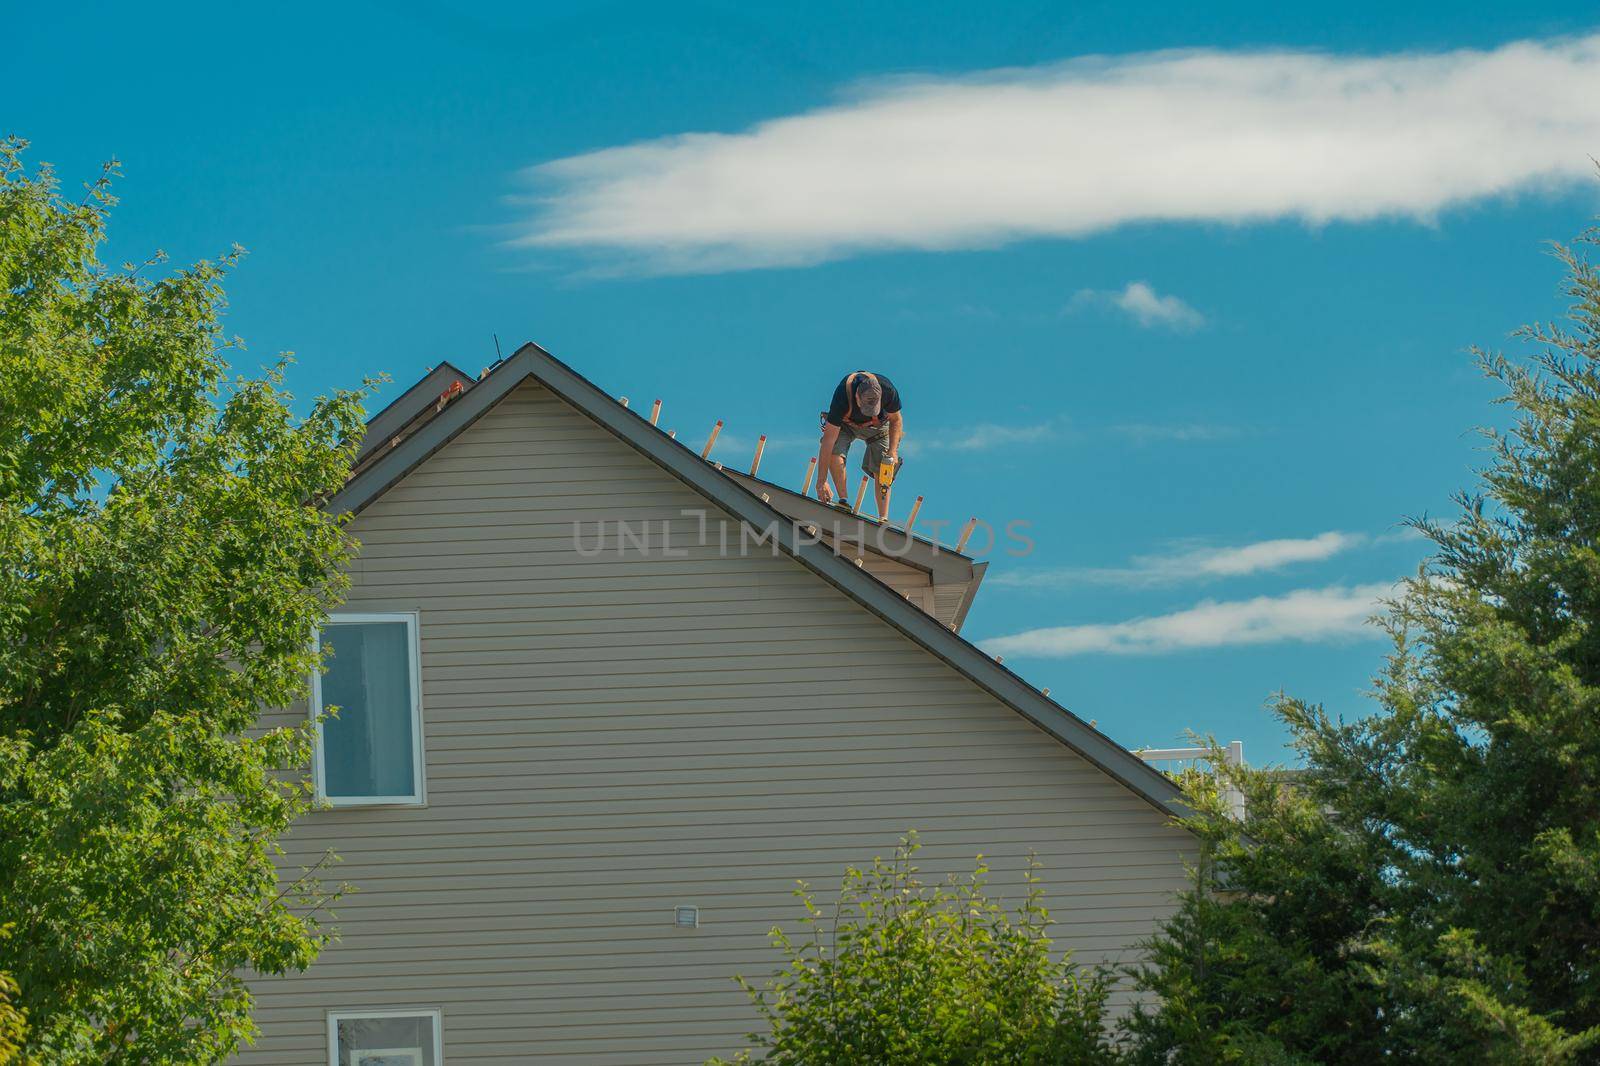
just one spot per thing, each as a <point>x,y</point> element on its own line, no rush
<point>393,459</point>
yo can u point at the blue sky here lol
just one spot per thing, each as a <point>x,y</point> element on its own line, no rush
<point>1201,320</point>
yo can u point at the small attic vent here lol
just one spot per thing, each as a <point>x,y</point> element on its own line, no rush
<point>686,917</point>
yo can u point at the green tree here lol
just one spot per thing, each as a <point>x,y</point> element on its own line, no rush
<point>163,560</point>
<point>13,1020</point>
<point>1266,960</point>
<point>903,973</point>
<point>13,1024</point>
<point>1428,890</point>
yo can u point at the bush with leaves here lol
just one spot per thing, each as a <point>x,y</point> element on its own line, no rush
<point>905,973</point>
<point>1428,889</point>
<point>163,559</point>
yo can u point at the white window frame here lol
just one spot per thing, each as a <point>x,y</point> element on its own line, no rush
<point>418,797</point>
<point>337,1016</point>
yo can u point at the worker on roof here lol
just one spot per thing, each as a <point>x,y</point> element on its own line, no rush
<point>865,407</point>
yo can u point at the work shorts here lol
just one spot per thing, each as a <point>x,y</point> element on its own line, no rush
<point>877,438</point>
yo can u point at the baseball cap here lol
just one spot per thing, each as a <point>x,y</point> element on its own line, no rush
<point>869,398</point>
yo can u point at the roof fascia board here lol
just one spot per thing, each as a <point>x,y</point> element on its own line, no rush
<point>970,593</point>
<point>740,503</point>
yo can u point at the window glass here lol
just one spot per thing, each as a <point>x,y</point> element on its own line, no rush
<point>388,1041</point>
<point>368,750</point>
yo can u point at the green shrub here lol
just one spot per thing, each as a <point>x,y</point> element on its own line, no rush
<point>904,972</point>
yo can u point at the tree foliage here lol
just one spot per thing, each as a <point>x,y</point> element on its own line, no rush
<point>1428,890</point>
<point>905,973</point>
<point>13,1024</point>
<point>13,1019</point>
<point>163,559</point>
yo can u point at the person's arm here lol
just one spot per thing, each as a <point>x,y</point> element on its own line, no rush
<point>830,433</point>
<point>832,426</point>
<point>897,429</point>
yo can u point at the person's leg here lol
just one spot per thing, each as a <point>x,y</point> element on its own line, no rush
<point>877,449</point>
<point>836,461</point>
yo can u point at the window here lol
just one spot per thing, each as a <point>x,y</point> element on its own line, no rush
<point>371,753</point>
<point>384,1038</point>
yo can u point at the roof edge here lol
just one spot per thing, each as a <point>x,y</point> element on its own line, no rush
<point>401,411</point>
<point>883,538</point>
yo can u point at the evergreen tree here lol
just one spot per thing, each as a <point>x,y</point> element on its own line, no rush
<point>1428,888</point>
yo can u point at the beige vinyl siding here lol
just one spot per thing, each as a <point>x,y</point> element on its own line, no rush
<point>608,737</point>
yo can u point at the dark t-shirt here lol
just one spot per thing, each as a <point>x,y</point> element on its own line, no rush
<point>842,408</point>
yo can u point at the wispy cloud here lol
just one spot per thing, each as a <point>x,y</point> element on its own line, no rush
<point>986,436</point>
<point>1335,613</point>
<point>737,447</point>
<point>1143,304</point>
<point>1156,432</point>
<point>1193,564</point>
<point>1072,149</point>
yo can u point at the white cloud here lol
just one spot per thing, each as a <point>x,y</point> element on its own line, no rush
<point>1152,432</point>
<point>984,436</point>
<point>737,444</point>
<point>987,436</point>
<point>1266,554</point>
<point>1144,305</point>
<point>1077,148</point>
<point>1305,615</point>
<point>1194,564</point>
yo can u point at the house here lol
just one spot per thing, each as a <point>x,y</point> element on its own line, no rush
<point>576,777</point>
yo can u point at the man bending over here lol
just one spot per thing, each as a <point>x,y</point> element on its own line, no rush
<point>865,407</point>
